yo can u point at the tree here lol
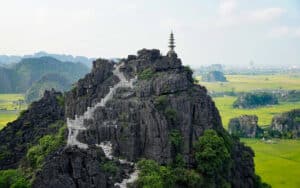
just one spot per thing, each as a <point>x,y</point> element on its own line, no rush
<point>211,154</point>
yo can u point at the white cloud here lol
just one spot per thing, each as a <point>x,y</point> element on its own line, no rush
<point>266,15</point>
<point>284,31</point>
<point>227,7</point>
<point>279,31</point>
<point>229,14</point>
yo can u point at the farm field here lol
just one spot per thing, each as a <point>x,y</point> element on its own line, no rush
<point>245,83</point>
<point>278,164</point>
<point>265,114</point>
<point>10,107</point>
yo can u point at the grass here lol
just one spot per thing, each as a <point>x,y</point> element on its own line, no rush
<point>9,109</point>
<point>245,83</point>
<point>265,114</point>
<point>278,164</point>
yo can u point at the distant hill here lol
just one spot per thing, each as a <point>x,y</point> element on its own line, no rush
<point>7,80</point>
<point>47,82</point>
<point>23,75</point>
<point>31,70</point>
<point>6,60</point>
<point>214,76</point>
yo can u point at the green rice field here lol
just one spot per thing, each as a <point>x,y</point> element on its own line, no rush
<point>10,107</point>
<point>244,83</point>
<point>265,114</point>
<point>277,163</point>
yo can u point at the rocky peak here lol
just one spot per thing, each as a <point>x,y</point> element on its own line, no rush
<point>136,107</point>
<point>147,54</point>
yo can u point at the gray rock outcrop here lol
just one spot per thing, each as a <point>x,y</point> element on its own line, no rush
<point>287,123</point>
<point>244,126</point>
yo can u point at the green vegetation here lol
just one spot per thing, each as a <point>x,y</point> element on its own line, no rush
<point>109,167</point>
<point>13,179</point>
<point>153,175</point>
<point>34,158</point>
<point>212,159</point>
<point>246,83</point>
<point>277,163</point>
<point>161,101</point>
<point>47,144</point>
<point>171,114</point>
<point>188,68</point>
<point>212,156</point>
<point>176,139</point>
<point>146,74</point>
<point>252,100</point>
<point>265,114</point>
<point>10,107</point>
<point>61,100</point>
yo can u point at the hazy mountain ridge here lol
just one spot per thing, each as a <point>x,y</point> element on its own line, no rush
<point>21,76</point>
<point>47,82</point>
<point>10,59</point>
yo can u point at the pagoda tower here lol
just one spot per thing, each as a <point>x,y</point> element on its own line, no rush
<point>171,51</point>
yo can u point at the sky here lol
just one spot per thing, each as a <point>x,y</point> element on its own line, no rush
<point>230,32</point>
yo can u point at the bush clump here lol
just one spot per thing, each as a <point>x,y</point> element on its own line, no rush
<point>47,144</point>
<point>171,114</point>
<point>61,100</point>
<point>161,102</point>
<point>253,100</point>
<point>109,167</point>
<point>146,74</point>
<point>13,178</point>
<point>152,175</point>
<point>176,139</point>
<point>211,154</point>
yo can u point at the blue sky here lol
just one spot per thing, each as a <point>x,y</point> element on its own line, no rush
<point>231,32</point>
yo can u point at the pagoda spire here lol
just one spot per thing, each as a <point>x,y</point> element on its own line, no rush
<point>171,44</point>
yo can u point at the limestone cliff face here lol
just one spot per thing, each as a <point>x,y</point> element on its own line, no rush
<point>138,121</point>
<point>133,121</point>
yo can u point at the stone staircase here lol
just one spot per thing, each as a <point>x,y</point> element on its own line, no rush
<point>77,124</point>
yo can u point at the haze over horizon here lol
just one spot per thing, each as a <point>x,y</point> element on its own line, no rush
<point>230,32</point>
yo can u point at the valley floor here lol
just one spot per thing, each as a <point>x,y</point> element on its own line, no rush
<point>246,83</point>
<point>264,114</point>
<point>278,163</point>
